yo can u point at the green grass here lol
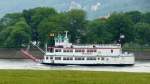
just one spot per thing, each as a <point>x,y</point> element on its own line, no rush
<point>71,77</point>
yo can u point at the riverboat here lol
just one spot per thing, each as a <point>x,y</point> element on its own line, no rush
<point>65,53</point>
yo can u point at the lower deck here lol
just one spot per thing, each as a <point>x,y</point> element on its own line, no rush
<point>88,60</point>
<point>58,64</point>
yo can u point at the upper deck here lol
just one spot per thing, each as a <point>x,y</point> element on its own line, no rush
<point>64,47</point>
<point>97,46</point>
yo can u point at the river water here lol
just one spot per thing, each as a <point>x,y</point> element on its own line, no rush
<point>140,66</point>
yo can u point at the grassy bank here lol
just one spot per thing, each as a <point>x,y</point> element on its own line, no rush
<point>71,77</point>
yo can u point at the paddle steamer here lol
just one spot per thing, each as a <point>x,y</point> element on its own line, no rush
<point>65,53</point>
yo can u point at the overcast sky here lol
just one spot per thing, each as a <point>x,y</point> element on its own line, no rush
<point>94,8</point>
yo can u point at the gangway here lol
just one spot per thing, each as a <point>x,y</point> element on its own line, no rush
<point>26,54</point>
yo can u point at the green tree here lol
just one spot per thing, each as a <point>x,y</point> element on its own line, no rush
<point>135,16</point>
<point>35,16</point>
<point>6,22</point>
<point>98,32</point>
<point>76,22</point>
<point>9,20</point>
<point>146,17</point>
<point>142,33</point>
<point>53,24</point>
<point>121,24</point>
<point>17,35</point>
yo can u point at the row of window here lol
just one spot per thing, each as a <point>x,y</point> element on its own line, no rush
<point>76,58</point>
<point>70,50</point>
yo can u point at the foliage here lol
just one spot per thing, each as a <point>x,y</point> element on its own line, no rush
<point>16,35</point>
<point>142,33</point>
<point>76,23</point>
<point>121,24</point>
<point>97,32</point>
<point>135,16</point>
<point>34,17</point>
<point>17,29</point>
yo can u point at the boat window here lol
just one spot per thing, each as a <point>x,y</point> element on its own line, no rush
<point>91,58</point>
<point>91,50</point>
<point>76,50</point>
<point>51,57</point>
<point>71,50</point>
<point>46,57</point>
<point>64,50</point>
<point>102,58</point>
<point>51,49</point>
<point>94,50</point>
<point>82,50</point>
<point>57,58</point>
<point>71,58</point>
<point>79,58</point>
<point>68,50</point>
<point>79,50</point>
<point>67,58</point>
<point>64,58</point>
<point>112,51</point>
<point>58,50</point>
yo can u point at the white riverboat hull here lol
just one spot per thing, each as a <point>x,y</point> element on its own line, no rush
<point>100,61</point>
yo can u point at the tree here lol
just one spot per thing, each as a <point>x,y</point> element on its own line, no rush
<point>34,16</point>
<point>98,32</point>
<point>76,23</point>
<point>135,16</point>
<point>121,24</point>
<point>53,24</point>
<point>146,18</point>
<point>17,29</point>
<point>142,33</point>
<point>9,20</point>
<point>17,35</point>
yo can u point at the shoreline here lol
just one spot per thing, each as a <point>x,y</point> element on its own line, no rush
<point>11,53</point>
<point>26,64</point>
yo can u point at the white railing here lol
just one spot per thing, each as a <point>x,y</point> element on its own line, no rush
<point>98,46</point>
<point>127,54</point>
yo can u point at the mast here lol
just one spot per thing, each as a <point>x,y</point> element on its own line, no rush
<point>66,34</point>
<point>45,47</point>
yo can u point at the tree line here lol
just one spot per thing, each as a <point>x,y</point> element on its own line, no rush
<point>18,29</point>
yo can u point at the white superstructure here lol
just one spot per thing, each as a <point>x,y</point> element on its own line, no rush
<point>65,53</point>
